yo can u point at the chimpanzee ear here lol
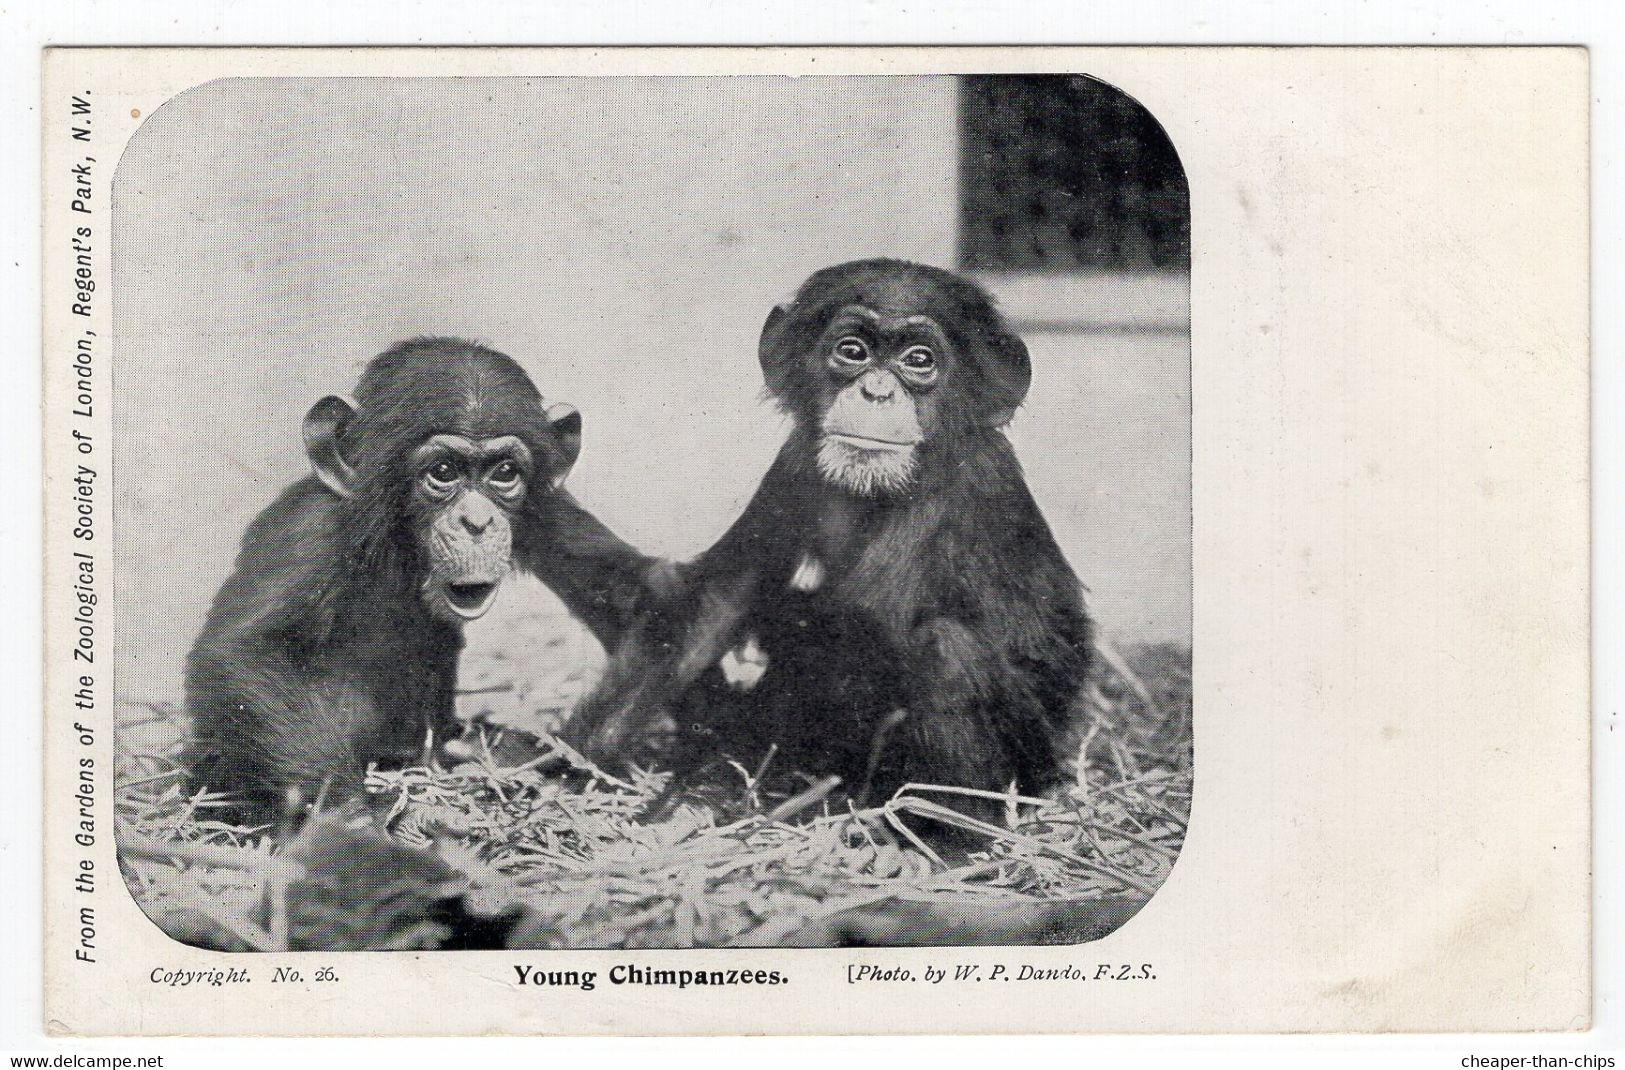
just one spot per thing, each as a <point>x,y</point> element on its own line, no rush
<point>324,425</point>
<point>768,350</point>
<point>566,424</point>
<point>1010,376</point>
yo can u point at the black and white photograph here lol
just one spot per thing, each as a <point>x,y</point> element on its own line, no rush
<point>825,541</point>
<point>651,512</point>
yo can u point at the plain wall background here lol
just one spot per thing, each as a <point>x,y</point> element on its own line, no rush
<point>624,241</point>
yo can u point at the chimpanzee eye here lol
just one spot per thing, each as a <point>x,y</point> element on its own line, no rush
<point>440,475</point>
<point>505,476</point>
<point>851,350</point>
<point>920,359</point>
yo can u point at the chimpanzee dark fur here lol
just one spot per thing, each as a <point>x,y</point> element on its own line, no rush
<point>320,654</point>
<point>944,639</point>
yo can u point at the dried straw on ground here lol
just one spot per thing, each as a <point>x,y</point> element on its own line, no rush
<point>488,853</point>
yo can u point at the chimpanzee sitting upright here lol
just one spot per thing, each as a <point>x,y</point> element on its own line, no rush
<point>918,620</point>
<point>334,643</point>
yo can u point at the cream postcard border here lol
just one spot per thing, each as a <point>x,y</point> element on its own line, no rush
<point>1390,353</point>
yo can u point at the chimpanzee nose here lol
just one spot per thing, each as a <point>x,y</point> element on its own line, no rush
<point>476,514</point>
<point>878,386</point>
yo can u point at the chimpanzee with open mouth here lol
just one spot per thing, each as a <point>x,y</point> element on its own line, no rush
<point>334,643</point>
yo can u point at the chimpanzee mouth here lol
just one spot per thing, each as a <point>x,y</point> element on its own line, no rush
<point>881,468</point>
<point>470,600</point>
<point>864,442</point>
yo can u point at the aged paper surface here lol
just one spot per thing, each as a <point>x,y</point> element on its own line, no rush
<point>1388,386</point>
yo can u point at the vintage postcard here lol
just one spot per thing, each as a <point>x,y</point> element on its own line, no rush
<point>816,540</point>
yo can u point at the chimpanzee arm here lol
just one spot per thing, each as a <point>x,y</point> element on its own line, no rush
<point>988,696</point>
<point>665,652</point>
<point>686,623</point>
<point>601,578</point>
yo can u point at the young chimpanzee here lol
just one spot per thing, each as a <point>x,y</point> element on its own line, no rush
<point>915,617</point>
<point>334,643</point>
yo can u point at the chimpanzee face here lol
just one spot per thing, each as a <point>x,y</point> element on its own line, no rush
<point>891,368</point>
<point>435,456</point>
<point>881,372</point>
<point>463,496</point>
